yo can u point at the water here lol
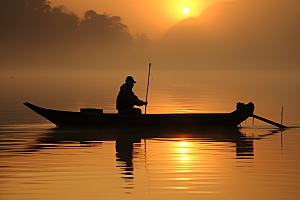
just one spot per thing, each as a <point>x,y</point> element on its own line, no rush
<point>254,162</point>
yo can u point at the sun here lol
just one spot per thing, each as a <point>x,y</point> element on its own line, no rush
<point>186,10</point>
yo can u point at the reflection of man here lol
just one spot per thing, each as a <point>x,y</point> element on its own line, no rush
<point>126,99</point>
<point>124,149</point>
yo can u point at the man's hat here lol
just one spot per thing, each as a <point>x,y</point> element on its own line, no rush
<point>129,79</point>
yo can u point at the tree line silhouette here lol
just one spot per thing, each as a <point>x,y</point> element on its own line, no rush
<point>36,20</point>
<point>35,27</point>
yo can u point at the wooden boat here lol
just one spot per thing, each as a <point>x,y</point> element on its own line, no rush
<point>89,118</point>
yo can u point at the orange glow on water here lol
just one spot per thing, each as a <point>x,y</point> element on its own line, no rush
<point>184,144</point>
<point>183,152</point>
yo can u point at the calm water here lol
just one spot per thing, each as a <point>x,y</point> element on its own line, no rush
<point>254,162</point>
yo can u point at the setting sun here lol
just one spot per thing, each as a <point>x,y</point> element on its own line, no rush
<point>186,10</point>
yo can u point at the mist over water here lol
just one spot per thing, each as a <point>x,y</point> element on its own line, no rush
<point>169,91</point>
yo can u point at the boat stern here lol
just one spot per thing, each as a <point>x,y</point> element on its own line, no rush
<point>246,108</point>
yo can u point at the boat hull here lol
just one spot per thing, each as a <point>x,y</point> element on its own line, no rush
<point>115,121</point>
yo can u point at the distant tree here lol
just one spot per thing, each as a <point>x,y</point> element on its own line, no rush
<point>22,5</point>
<point>22,17</point>
<point>116,24</point>
<point>32,31</point>
<point>37,21</point>
<point>104,28</point>
<point>62,24</point>
<point>94,24</point>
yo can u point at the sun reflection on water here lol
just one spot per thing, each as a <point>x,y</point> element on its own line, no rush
<point>184,144</point>
<point>183,152</point>
<point>187,164</point>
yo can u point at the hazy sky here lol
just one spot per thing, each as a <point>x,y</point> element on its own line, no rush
<point>240,34</point>
<point>216,35</point>
<point>152,17</point>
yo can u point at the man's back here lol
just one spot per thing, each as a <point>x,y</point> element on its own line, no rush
<point>127,99</point>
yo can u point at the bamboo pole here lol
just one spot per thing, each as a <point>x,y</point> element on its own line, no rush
<point>269,121</point>
<point>281,115</point>
<point>147,88</point>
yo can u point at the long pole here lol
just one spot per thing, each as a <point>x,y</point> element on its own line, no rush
<point>268,121</point>
<point>147,88</point>
<point>281,115</point>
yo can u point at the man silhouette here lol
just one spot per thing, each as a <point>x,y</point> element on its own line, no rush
<point>127,99</point>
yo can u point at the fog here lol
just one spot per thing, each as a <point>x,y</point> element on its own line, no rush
<point>153,17</point>
<point>245,34</point>
<point>232,35</point>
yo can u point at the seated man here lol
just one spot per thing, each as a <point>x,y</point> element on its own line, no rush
<point>126,99</point>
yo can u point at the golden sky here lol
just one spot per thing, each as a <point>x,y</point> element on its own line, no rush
<point>152,17</point>
<point>215,35</point>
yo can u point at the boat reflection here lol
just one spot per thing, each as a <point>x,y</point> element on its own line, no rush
<point>126,140</point>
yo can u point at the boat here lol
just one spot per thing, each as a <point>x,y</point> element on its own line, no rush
<point>95,118</point>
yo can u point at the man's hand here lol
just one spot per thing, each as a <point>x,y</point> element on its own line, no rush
<point>145,102</point>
